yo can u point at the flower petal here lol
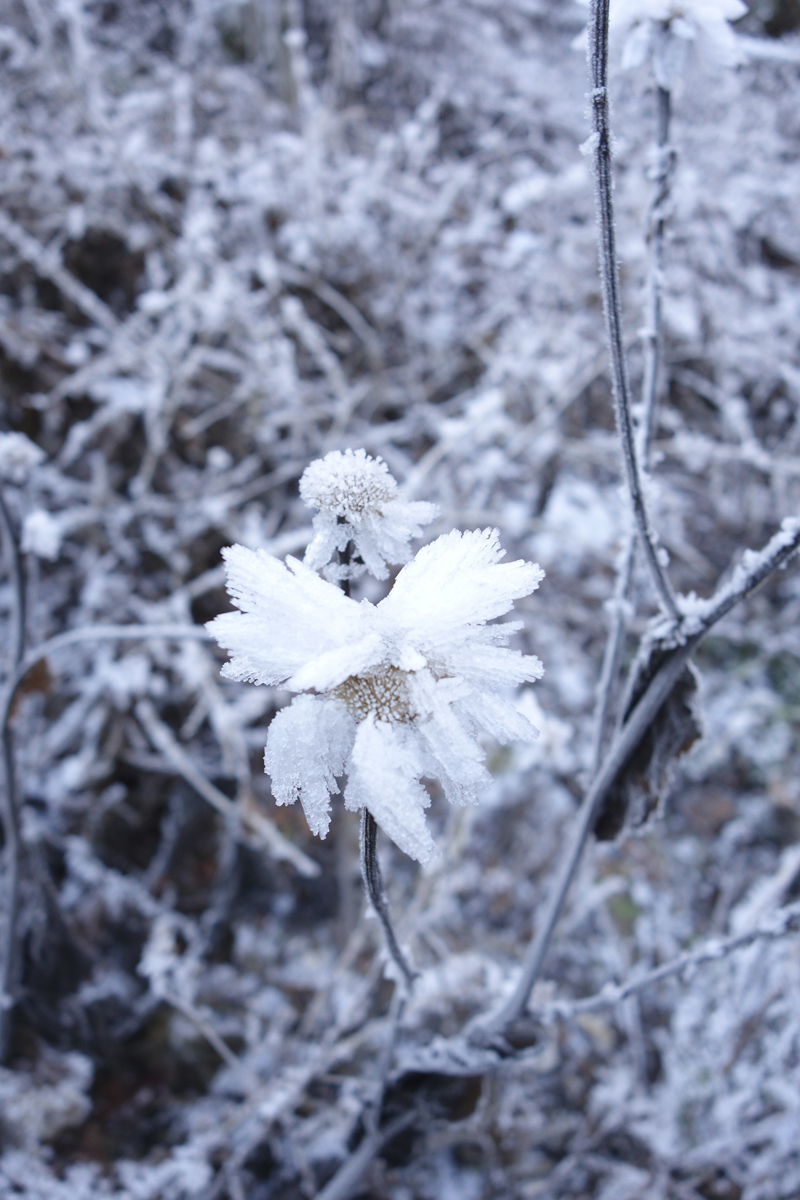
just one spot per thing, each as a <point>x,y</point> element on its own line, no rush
<point>384,772</point>
<point>455,583</point>
<point>307,746</point>
<point>288,616</point>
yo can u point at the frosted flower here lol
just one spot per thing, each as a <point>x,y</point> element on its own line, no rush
<point>358,502</point>
<point>393,691</point>
<point>665,30</point>
<point>17,455</point>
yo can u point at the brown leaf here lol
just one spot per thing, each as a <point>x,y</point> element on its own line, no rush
<point>642,786</point>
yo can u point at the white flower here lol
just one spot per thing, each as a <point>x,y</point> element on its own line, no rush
<point>358,502</point>
<point>42,535</point>
<point>665,30</point>
<point>17,455</point>
<point>395,691</point>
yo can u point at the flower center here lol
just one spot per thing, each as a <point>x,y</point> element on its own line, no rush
<point>384,696</point>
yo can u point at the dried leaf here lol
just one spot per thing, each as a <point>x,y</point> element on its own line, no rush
<point>641,788</point>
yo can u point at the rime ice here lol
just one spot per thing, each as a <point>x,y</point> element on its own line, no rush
<point>665,30</point>
<point>358,502</point>
<point>394,691</point>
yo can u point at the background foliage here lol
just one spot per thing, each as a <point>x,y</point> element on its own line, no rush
<point>233,237</point>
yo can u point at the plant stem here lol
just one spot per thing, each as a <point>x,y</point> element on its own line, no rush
<point>598,62</point>
<point>371,874</point>
<point>9,811</point>
<point>652,352</point>
<point>778,552</point>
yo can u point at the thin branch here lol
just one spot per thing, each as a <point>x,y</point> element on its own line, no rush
<point>601,142</point>
<point>264,829</point>
<point>748,576</point>
<point>652,335</point>
<point>349,1175</point>
<point>17,582</point>
<point>613,650</point>
<point>371,874</point>
<point>9,809</point>
<point>47,263</point>
<point>204,1027</point>
<point>779,925</point>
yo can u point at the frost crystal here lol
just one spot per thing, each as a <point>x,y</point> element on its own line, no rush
<point>17,455</point>
<point>358,502</point>
<point>42,535</point>
<point>665,30</point>
<point>397,690</point>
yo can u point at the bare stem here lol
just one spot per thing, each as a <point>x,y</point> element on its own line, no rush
<point>9,812</point>
<point>598,62</point>
<point>611,655</point>
<point>371,873</point>
<point>652,352</point>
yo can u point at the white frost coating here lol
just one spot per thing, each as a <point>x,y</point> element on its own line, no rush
<point>42,535</point>
<point>17,455</point>
<point>404,685</point>
<point>307,747</point>
<point>753,563</point>
<point>384,771</point>
<point>665,30</point>
<point>357,501</point>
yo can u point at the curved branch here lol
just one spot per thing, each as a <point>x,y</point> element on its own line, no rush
<point>601,145</point>
<point>754,570</point>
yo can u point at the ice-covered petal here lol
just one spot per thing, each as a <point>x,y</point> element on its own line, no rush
<point>457,758</point>
<point>493,666</point>
<point>329,536</point>
<point>332,667</point>
<point>455,583</point>
<point>497,716</point>
<point>307,746</point>
<point>288,616</point>
<point>383,776</point>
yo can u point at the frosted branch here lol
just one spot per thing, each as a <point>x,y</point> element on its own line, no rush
<point>601,149</point>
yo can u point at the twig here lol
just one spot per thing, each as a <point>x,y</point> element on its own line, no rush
<point>601,141</point>
<point>611,655</point>
<point>752,572</point>
<point>371,874</point>
<point>349,1175</point>
<point>47,263</point>
<point>279,846</point>
<point>9,812</point>
<point>781,923</point>
<point>17,639</point>
<point>297,277</point>
<point>652,333</point>
<point>204,1027</point>
<point>652,351</point>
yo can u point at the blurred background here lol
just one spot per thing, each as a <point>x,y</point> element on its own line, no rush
<point>233,237</point>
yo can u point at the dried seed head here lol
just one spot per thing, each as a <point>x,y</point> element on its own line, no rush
<point>348,484</point>
<point>384,695</point>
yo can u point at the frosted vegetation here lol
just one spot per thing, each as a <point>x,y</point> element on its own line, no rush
<point>302,337</point>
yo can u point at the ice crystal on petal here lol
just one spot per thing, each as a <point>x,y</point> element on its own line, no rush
<point>403,687</point>
<point>384,772</point>
<point>358,503</point>
<point>307,747</point>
